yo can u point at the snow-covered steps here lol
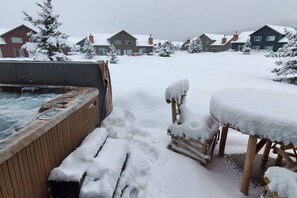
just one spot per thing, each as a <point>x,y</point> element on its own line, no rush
<point>104,172</point>
<point>66,180</point>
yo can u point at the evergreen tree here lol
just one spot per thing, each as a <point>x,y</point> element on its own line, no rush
<point>247,47</point>
<point>195,46</point>
<point>287,64</point>
<point>113,56</point>
<point>88,50</point>
<point>48,42</point>
<point>166,49</point>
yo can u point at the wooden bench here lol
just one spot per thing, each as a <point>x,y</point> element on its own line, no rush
<point>193,135</point>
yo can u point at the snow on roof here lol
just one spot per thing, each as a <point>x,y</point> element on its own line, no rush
<point>243,37</point>
<point>162,41</point>
<point>101,38</point>
<point>214,37</point>
<point>142,40</point>
<point>284,40</point>
<point>219,41</point>
<point>280,29</point>
<point>74,40</point>
<point>4,30</point>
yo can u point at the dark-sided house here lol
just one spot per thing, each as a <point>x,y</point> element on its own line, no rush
<point>12,40</point>
<point>215,42</point>
<point>185,45</point>
<point>269,37</point>
<point>239,40</point>
<point>125,43</point>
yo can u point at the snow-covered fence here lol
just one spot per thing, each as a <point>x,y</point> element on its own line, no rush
<point>193,135</point>
<point>66,179</point>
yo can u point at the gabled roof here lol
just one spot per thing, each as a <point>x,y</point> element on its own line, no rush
<point>280,29</point>
<point>117,32</point>
<point>219,41</point>
<point>75,40</point>
<point>243,37</point>
<point>103,38</point>
<point>214,37</point>
<point>4,30</point>
<point>284,40</point>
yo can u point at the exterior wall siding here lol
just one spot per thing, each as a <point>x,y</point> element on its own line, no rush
<point>206,42</point>
<point>124,47</point>
<point>264,32</point>
<point>8,50</point>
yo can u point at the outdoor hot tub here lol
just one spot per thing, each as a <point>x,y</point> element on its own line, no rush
<point>80,100</point>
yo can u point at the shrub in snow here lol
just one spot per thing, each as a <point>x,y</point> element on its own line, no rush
<point>166,49</point>
<point>88,50</point>
<point>112,54</point>
<point>247,47</point>
<point>46,44</point>
<point>287,64</point>
<point>195,46</point>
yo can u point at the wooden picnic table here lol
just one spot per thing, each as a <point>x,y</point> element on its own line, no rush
<point>269,116</point>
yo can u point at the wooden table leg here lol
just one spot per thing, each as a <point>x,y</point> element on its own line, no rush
<point>267,150</point>
<point>279,157</point>
<point>248,165</point>
<point>223,140</point>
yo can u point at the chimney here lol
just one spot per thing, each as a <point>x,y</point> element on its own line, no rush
<point>150,40</point>
<point>224,40</point>
<point>235,36</point>
<point>91,39</point>
<point>188,40</point>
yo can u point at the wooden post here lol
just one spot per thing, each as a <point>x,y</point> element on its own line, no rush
<point>173,111</point>
<point>223,140</point>
<point>248,165</point>
<point>279,157</point>
<point>267,150</point>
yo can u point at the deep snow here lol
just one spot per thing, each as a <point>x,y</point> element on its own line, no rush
<point>142,116</point>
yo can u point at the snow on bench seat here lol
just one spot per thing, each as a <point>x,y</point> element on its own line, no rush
<point>67,177</point>
<point>176,90</point>
<point>104,171</point>
<point>282,181</point>
<point>194,126</point>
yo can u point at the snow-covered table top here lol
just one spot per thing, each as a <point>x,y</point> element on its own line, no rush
<point>265,113</point>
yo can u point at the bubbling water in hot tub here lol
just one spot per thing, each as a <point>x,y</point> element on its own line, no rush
<point>18,110</point>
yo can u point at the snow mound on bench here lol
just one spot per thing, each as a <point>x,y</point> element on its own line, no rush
<point>176,90</point>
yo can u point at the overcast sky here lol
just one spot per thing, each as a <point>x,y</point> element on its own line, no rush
<point>164,19</point>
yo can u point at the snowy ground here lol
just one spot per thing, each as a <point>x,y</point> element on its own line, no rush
<point>142,116</point>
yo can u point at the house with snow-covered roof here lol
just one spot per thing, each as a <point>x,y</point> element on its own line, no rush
<point>215,42</point>
<point>12,40</point>
<point>269,37</point>
<point>124,42</point>
<point>239,40</point>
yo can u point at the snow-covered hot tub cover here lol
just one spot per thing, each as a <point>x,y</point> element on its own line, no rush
<point>265,113</point>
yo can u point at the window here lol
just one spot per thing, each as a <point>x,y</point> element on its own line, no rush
<point>142,50</point>
<point>0,53</point>
<point>268,48</point>
<point>258,38</point>
<point>256,47</point>
<point>270,38</point>
<point>117,42</point>
<point>128,42</point>
<point>16,40</point>
<point>129,52</point>
<point>118,52</point>
<point>18,53</point>
<point>102,52</point>
<point>206,42</point>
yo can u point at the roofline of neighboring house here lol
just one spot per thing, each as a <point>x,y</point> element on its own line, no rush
<point>267,25</point>
<point>16,28</point>
<point>119,32</point>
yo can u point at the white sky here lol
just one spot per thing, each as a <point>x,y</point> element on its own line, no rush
<point>164,19</point>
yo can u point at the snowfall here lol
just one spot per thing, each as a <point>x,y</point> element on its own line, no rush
<point>141,116</point>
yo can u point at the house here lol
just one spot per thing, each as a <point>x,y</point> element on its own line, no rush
<point>215,42</point>
<point>239,40</point>
<point>185,45</point>
<point>124,42</point>
<point>269,37</point>
<point>12,40</point>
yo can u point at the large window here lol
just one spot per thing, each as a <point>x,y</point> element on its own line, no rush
<point>129,52</point>
<point>16,40</point>
<point>18,53</point>
<point>142,50</point>
<point>268,48</point>
<point>270,38</point>
<point>256,47</point>
<point>128,42</point>
<point>102,52</point>
<point>117,42</point>
<point>118,52</point>
<point>258,38</point>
